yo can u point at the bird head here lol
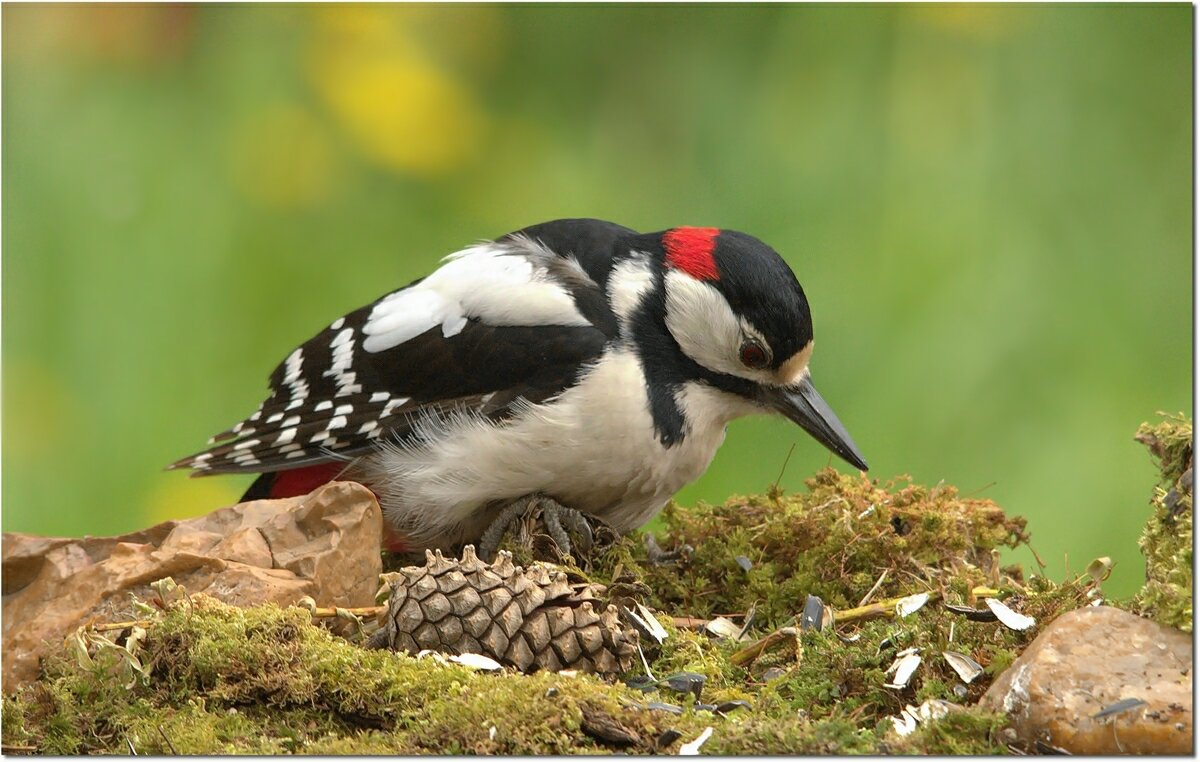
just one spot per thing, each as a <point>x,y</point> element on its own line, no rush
<point>736,310</point>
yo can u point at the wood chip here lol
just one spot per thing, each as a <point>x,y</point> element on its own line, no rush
<point>967,668</point>
<point>477,661</point>
<point>1009,618</point>
<point>904,666</point>
<point>693,748</point>
<point>646,623</point>
<point>911,604</point>
<point>1124,705</point>
<point>723,628</point>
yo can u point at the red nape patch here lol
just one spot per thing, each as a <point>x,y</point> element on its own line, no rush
<point>691,250</point>
<point>301,481</point>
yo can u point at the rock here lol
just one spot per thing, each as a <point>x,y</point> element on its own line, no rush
<point>1098,661</point>
<point>325,545</point>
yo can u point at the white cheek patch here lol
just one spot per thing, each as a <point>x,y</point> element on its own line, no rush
<point>486,282</point>
<point>703,324</point>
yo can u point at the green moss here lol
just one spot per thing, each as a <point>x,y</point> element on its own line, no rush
<point>833,541</point>
<point>971,732</point>
<point>827,677</point>
<point>1166,541</point>
<point>264,680</point>
<point>209,678</point>
<point>759,737</point>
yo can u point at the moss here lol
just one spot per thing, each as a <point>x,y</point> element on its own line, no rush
<point>264,680</point>
<point>826,677</point>
<point>833,541</point>
<point>209,678</point>
<point>759,737</point>
<point>1166,541</point>
<point>973,732</point>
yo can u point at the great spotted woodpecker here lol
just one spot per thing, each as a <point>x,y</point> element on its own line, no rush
<point>577,360</point>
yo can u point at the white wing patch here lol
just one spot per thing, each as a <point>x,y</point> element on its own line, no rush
<point>489,282</point>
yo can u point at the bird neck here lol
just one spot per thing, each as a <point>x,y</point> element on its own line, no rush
<point>668,368</point>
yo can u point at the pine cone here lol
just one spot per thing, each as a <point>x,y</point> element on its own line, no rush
<point>525,618</point>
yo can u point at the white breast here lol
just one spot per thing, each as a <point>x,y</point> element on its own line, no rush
<point>593,448</point>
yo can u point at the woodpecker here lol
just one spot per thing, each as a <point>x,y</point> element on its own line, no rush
<point>576,360</point>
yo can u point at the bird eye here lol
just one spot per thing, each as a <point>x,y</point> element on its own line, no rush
<point>753,354</point>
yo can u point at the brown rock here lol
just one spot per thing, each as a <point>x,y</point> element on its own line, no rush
<point>1097,661</point>
<point>325,545</point>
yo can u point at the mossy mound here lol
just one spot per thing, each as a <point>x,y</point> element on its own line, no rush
<point>200,677</point>
<point>1167,540</point>
<point>834,541</point>
<point>207,678</point>
<point>213,679</point>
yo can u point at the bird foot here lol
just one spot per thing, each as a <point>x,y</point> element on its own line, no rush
<point>559,522</point>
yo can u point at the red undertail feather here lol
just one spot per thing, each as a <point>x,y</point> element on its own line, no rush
<point>301,481</point>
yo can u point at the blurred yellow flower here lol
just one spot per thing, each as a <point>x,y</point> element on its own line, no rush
<point>401,109</point>
<point>281,157</point>
<point>982,21</point>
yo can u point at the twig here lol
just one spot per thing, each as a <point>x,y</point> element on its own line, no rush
<point>122,625</point>
<point>688,622</point>
<point>336,611</point>
<point>874,587</point>
<point>170,745</point>
<point>888,607</point>
<point>11,747</point>
<point>975,492</point>
<point>751,652</point>
<point>1041,564</point>
<point>883,608</point>
<point>786,458</point>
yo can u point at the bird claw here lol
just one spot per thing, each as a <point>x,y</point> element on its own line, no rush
<point>560,522</point>
<point>489,543</point>
<point>555,515</point>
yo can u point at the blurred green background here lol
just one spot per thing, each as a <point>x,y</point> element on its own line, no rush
<point>990,208</point>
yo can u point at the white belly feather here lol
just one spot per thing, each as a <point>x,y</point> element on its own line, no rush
<point>593,448</point>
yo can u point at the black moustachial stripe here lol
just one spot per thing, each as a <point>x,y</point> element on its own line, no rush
<point>667,368</point>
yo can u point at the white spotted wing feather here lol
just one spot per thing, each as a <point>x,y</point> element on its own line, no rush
<point>459,340</point>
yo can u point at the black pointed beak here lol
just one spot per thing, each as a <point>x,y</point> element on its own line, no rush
<point>802,405</point>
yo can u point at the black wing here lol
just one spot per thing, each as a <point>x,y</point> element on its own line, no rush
<point>334,398</point>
